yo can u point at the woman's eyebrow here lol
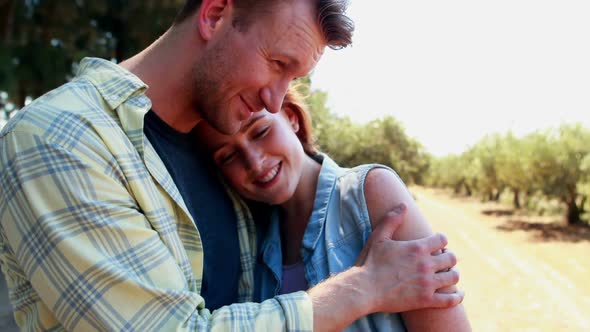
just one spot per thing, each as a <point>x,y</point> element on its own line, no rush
<point>253,120</point>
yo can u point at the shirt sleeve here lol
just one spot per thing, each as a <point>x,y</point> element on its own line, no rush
<point>79,254</point>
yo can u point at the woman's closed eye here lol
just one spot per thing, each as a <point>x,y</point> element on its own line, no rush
<point>261,133</point>
<point>225,158</point>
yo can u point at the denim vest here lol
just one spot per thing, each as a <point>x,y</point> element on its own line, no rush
<point>337,231</point>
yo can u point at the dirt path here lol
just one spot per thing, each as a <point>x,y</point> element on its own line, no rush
<point>516,278</point>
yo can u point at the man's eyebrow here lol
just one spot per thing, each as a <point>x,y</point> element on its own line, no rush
<point>293,61</point>
<point>253,120</point>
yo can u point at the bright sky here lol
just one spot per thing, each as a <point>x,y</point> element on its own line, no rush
<point>453,71</point>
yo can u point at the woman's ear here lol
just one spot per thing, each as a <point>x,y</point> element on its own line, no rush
<point>292,117</point>
<point>212,14</point>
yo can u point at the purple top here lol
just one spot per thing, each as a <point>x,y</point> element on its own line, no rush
<point>293,278</point>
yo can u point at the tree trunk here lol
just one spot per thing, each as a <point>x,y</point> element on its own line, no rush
<point>21,95</point>
<point>120,33</point>
<point>7,19</point>
<point>467,189</point>
<point>458,187</point>
<point>573,213</point>
<point>497,195</point>
<point>516,199</point>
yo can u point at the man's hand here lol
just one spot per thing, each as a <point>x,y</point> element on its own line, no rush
<point>402,275</point>
<point>389,276</point>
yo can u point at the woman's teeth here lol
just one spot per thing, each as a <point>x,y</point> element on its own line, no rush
<point>270,175</point>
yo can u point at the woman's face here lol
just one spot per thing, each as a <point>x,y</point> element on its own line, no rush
<point>264,160</point>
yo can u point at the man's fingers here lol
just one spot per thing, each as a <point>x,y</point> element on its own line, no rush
<point>447,300</point>
<point>436,242</point>
<point>445,279</point>
<point>390,223</point>
<point>444,261</point>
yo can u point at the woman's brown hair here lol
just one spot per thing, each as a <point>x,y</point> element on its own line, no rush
<point>294,101</point>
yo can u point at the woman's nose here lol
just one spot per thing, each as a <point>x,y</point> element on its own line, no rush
<point>254,160</point>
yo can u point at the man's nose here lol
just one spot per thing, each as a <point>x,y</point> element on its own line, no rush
<point>273,95</point>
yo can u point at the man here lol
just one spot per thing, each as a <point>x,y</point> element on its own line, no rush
<point>103,225</point>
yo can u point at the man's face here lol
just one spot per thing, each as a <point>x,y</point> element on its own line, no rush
<point>246,71</point>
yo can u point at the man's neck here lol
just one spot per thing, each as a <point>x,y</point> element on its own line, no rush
<point>168,76</point>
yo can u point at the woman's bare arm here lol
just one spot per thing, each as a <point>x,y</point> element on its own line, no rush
<point>384,191</point>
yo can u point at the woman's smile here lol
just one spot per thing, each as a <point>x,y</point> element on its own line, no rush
<point>269,177</point>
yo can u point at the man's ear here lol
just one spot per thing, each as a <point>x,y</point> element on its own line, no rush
<point>212,14</point>
<point>292,117</point>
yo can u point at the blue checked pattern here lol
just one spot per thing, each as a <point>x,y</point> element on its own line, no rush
<point>94,235</point>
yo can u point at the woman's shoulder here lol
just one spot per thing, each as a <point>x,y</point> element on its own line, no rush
<point>383,190</point>
<point>360,174</point>
<point>340,171</point>
<point>362,183</point>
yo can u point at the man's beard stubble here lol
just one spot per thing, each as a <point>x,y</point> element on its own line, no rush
<point>208,96</point>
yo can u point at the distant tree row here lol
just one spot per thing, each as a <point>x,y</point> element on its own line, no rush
<point>382,141</point>
<point>553,163</point>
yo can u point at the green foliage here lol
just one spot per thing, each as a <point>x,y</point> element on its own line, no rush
<point>42,41</point>
<point>551,165</point>
<point>381,141</point>
<point>484,170</point>
<point>452,171</point>
<point>513,167</point>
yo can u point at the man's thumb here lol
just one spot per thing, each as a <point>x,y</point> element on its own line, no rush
<point>391,222</point>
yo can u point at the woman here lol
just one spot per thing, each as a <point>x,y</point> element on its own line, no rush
<point>324,213</point>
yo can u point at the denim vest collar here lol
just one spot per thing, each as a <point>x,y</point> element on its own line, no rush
<point>327,179</point>
<point>271,248</point>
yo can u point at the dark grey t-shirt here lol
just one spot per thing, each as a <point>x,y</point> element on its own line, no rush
<point>208,203</point>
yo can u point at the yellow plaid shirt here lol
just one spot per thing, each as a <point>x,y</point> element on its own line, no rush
<point>94,234</point>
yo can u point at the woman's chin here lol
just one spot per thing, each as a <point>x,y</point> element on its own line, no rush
<point>268,199</point>
<point>274,201</point>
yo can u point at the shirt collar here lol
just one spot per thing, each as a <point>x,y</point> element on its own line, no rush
<point>123,92</point>
<point>113,82</point>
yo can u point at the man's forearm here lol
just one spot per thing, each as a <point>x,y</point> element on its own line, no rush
<point>339,301</point>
